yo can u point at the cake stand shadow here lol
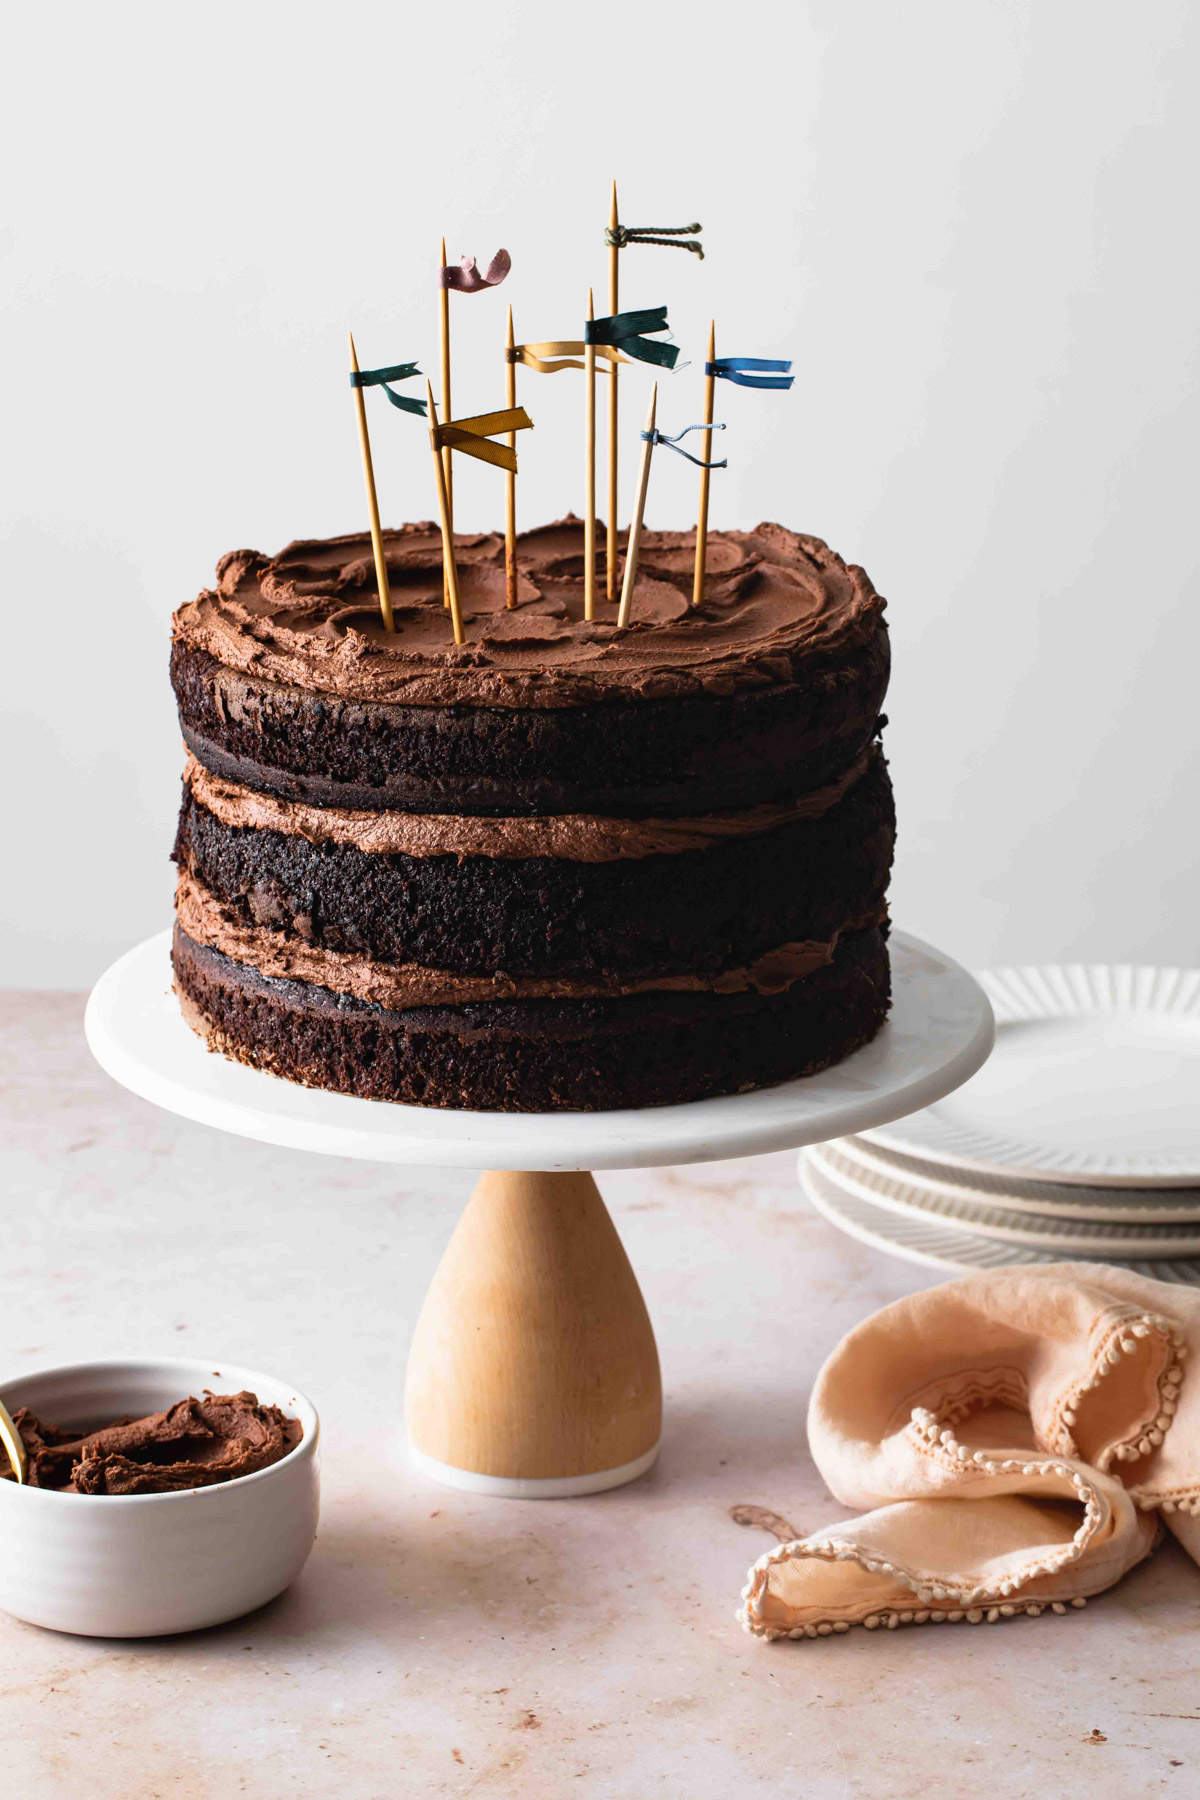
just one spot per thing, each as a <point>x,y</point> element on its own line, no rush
<point>533,1371</point>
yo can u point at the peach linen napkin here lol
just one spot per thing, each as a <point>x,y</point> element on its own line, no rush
<point>1018,1435</point>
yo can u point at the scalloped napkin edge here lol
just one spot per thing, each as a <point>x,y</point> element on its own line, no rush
<point>1021,1437</point>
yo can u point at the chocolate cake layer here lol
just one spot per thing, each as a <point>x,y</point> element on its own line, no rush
<point>578,837</point>
<point>288,683</point>
<point>673,756</point>
<point>401,986</point>
<point>695,912</point>
<point>539,1055</point>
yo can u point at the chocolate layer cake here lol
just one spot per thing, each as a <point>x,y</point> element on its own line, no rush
<point>560,866</point>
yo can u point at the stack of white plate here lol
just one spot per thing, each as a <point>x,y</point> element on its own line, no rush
<point>1078,1140</point>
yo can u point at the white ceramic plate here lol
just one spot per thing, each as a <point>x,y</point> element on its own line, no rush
<point>1071,1237</point>
<point>1095,1078</point>
<point>929,1241</point>
<point>1044,1199</point>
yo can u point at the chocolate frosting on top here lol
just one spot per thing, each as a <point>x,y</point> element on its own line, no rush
<point>193,1444</point>
<point>309,617</point>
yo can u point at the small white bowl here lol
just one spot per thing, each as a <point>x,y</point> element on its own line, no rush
<point>145,1565</point>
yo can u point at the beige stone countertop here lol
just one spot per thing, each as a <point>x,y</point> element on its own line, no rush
<point>441,1643</point>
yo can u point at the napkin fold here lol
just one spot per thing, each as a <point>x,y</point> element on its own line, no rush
<point>1020,1436</point>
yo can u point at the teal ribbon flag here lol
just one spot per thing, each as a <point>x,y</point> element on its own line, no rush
<point>623,332</point>
<point>364,378</point>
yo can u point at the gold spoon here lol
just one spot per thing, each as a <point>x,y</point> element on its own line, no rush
<point>10,1437</point>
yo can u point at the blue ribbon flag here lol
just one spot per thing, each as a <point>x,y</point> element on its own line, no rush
<point>736,369</point>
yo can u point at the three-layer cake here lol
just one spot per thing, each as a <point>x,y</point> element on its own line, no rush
<point>561,866</point>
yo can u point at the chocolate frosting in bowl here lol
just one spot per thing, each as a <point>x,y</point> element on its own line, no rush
<point>193,1444</point>
<point>309,617</point>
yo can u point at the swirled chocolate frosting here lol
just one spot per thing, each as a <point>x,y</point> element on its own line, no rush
<point>193,1444</point>
<point>309,617</point>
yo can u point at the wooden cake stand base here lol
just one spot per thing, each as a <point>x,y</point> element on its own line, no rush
<point>534,1351</point>
<point>533,1371</point>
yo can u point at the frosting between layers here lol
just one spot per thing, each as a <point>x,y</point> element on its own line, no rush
<point>571,837</point>
<point>309,617</point>
<point>398,986</point>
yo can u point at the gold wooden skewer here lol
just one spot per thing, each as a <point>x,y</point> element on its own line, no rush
<point>589,517</point>
<point>10,1437</point>
<point>635,530</point>
<point>449,565</point>
<point>510,498</point>
<point>364,444</point>
<point>447,465</point>
<point>702,522</point>
<point>614,282</point>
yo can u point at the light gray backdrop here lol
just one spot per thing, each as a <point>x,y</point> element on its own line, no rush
<point>972,226</point>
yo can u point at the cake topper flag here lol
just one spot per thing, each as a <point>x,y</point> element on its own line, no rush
<point>449,565</point>
<point>633,548</point>
<point>651,438</point>
<point>737,369</point>
<point>742,371</point>
<point>550,359</point>
<point>566,354</point>
<point>467,278</point>
<point>617,237</point>
<point>510,479</point>
<point>364,444</point>
<point>672,443</point>
<point>668,237</point>
<point>623,331</point>
<point>473,436</point>
<point>589,478</point>
<point>362,378</point>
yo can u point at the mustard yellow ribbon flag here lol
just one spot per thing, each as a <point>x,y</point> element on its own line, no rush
<point>564,352</point>
<point>473,436</point>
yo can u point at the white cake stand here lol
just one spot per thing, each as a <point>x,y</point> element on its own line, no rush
<point>533,1371</point>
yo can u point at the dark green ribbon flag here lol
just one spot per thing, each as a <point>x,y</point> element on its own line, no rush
<point>624,332</point>
<point>364,378</point>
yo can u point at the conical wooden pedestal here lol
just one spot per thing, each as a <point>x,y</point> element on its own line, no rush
<point>533,1371</point>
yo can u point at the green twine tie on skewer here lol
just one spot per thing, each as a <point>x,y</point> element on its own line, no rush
<point>670,237</point>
